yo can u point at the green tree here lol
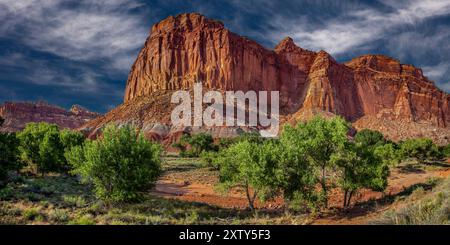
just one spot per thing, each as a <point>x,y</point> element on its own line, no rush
<point>9,158</point>
<point>369,138</point>
<point>421,149</point>
<point>194,145</point>
<point>70,138</point>
<point>389,153</point>
<point>360,168</point>
<point>249,166</point>
<point>120,164</point>
<point>201,142</point>
<point>297,175</point>
<point>209,159</point>
<point>40,146</point>
<point>1,121</point>
<point>321,138</point>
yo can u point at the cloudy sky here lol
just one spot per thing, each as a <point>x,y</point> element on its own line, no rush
<point>80,52</point>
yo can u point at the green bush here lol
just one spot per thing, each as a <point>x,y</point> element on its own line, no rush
<point>369,138</point>
<point>388,153</point>
<point>40,146</point>
<point>9,158</point>
<point>209,159</point>
<point>120,164</point>
<point>194,145</point>
<point>421,149</point>
<point>70,138</point>
<point>446,150</point>
<point>253,137</point>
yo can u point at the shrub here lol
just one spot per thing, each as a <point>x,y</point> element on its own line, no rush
<point>194,145</point>
<point>422,149</point>
<point>388,153</point>
<point>43,145</point>
<point>83,220</point>
<point>209,159</point>
<point>75,201</point>
<point>120,164</point>
<point>446,150</point>
<point>31,214</point>
<point>9,158</point>
<point>253,137</point>
<point>369,138</point>
<point>40,146</point>
<point>70,138</point>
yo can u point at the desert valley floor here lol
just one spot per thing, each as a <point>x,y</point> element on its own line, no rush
<point>185,194</point>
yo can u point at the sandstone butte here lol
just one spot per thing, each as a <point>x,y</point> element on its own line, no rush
<point>18,114</point>
<point>371,91</point>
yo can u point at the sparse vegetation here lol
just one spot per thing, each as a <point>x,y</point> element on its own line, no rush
<point>422,208</point>
<point>305,169</point>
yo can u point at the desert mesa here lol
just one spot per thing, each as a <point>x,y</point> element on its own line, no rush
<point>371,91</point>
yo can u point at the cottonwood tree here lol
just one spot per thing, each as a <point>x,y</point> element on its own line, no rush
<point>297,176</point>
<point>422,149</point>
<point>359,167</point>
<point>369,138</point>
<point>319,139</point>
<point>249,166</point>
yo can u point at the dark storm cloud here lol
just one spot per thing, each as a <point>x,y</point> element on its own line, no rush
<point>80,52</point>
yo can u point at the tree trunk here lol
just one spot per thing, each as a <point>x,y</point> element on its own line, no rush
<point>345,198</point>
<point>350,197</point>
<point>250,200</point>
<point>324,187</point>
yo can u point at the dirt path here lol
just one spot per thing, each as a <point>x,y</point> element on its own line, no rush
<point>188,187</point>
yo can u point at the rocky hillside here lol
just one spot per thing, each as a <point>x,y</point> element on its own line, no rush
<point>187,48</point>
<point>18,114</point>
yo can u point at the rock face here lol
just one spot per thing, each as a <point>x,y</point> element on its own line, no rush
<point>189,48</point>
<point>18,114</point>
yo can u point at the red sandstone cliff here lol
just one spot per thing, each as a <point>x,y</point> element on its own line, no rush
<point>18,114</point>
<point>188,48</point>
